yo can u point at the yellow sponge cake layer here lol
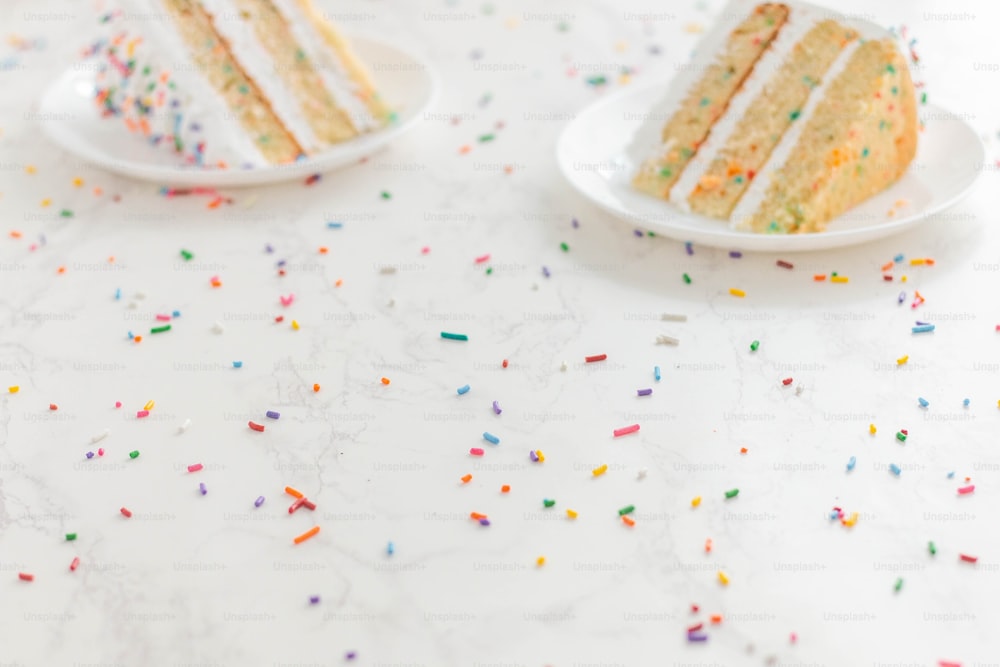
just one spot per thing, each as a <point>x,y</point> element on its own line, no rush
<point>707,100</point>
<point>772,112</point>
<point>860,139</point>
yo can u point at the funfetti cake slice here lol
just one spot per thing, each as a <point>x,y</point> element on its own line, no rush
<point>791,116</point>
<point>234,82</point>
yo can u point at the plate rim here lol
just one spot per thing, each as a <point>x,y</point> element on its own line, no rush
<point>763,242</point>
<point>357,148</point>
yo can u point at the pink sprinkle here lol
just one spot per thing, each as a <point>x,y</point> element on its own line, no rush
<point>483,258</point>
<point>75,564</point>
<point>426,249</point>
<point>948,663</point>
<point>287,300</point>
<point>793,637</point>
<point>163,318</point>
<point>100,451</point>
<point>142,413</point>
<point>118,404</point>
<point>625,430</point>
<point>476,451</point>
<point>967,489</point>
<point>195,467</point>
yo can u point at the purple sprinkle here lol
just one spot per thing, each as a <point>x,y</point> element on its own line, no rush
<point>351,655</point>
<point>545,271</point>
<point>688,248</point>
<point>203,488</point>
<point>697,637</point>
<point>90,455</point>
<point>576,223</point>
<point>638,233</point>
<point>268,248</point>
<point>496,407</point>
<point>313,599</point>
<point>259,501</point>
<point>902,297</point>
<point>281,262</point>
<point>195,127</point>
<point>644,392</point>
<point>920,324</point>
<point>735,254</point>
<point>484,522</point>
<point>533,455</point>
<point>272,414</point>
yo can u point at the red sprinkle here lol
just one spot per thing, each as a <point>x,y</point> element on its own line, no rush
<point>505,361</point>
<point>476,451</point>
<point>967,489</point>
<point>596,357</point>
<point>483,258</point>
<point>75,564</point>
<point>24,576</point>
<point>308,504</point>
<point>785,265</point>
<point>967,558</point>
<point>257,427</point>
<point>786,381</point>
<point>126,512</point>
<point>53,406</point>
<point>696,627</point>
<point>297,504</point>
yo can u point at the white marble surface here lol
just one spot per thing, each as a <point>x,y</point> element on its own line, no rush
<point>209,580</point>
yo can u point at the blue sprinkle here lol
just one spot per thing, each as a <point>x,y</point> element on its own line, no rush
<point>489,437</point>
<point>576,223</point>
<point>951,474</point>
<point>390,548</point>
<point>271,414</point>
<point>902,297</point>
<point>895,469</point>
<point>656,373</point>
<point>965,403</point>
<point>118,294</point>
<point>546,272</point>
<point>464,389</point>
<point>898,258</point>
<point>851,463</point>
<point>923,402</point>
<point>688,248</point>
<point>335,225</point>
<point>176,313</point>
<point>282,262</point>
<point>923,328</point>
<point>834,515</point>
<point>269,248</point>
<point>237,364</point>
<point>131,335</point>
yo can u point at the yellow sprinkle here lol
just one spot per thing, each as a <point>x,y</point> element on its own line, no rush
<point>14,389</point>
<point>78,182</point>
<point>917,261</point>
<point>30,168</point>
<point>149,405</point>
<point>902,279</point>
<point>737,292</point>
<point>696,501</point>
<point>694,28</point>
<point>600,470</point>
<point>838,279</point>
<point>621,47</point>
<point>571,514</point>
<point>723,579</point>
<point>295,324</point>
<point>852,520</point>
<point>540,561</point>
<point>541,457</point>
<point>871,429</point>
<point>46,202</point>
<point>902,360</point>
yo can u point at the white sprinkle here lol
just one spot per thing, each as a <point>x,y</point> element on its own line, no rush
<point>100,436</point>
<point>217,328</point>
<point>183,427</point>
<point>534,286</point>
<point>140,295</point>
<point>563,367</point>
<point>386,270</point>
<point>798,389</point>
<point>641,474</point>
<point>392,302</point>
<point>668,317</point>
<point>667,340</point>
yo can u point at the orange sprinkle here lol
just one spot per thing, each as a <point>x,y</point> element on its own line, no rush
<point>306,535</point>
<point>887,265</point>
<point>466,478</point>
<point>464,150</point>
<point>138,339</point>
<point>62,269</point>
<point>477,516</point>
<point>505,488</point>
<point>708,545</point>
<point>628,521</point>
<point>929,262</point>
<point>215,202</point>
<point>315,387</point>
<point>294,493</point>
<point>715,618</point>
<point>385,380</point>
<point>743,450</point>
<point>98,192</point>
<point>819,277</point>
<point>508,169</point>
<point>340,281</point>
<point>14,234</point>
<point>323,250</point>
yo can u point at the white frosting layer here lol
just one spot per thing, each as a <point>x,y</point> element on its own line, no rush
<point>258,64</point>
<point>164,49</point>
<point>754,195</point>
<point>327,64</point>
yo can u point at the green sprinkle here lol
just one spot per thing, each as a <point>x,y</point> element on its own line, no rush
<point>754,345</point>
<point>597,81</point>
<point>151,86</point>
<point>165,327</point>
<point>889,68</point>
<point>738,178</point>
<point>833,274</point>
<point>628,509</point>
<point>134,454</point>
<point>901,436</point>
<point>794,115</point>
<point>70,537</point>
<point>732,493</point>
<point>564,246</point>
<point>899,584</point>
<point>666,172</point>
<point>454,336</point>
<point>489,270</point>
<point>895,90</point>
<point>486,137</point>
<point>923,98</point>
<point>705,101</point>
<point>864,153</point>
<point>66,213</point>
<point>650,234</point>
<point>881,125</point>
<point>386,195</point>
<point>687,152</point>
<point>773,227</point>
<point>563,27</point>
<point>300,55</point>
<point>548,503</point>
<point>187,255</point>
<point>931,548</point>
<point>244,88</point>
<point>687,279</point>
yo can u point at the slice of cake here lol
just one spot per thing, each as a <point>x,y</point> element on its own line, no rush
<point>792,117</point>
<point>234,82</point>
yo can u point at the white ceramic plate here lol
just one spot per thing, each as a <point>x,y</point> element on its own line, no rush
<point>407,82</point>
<point>593,156</point>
